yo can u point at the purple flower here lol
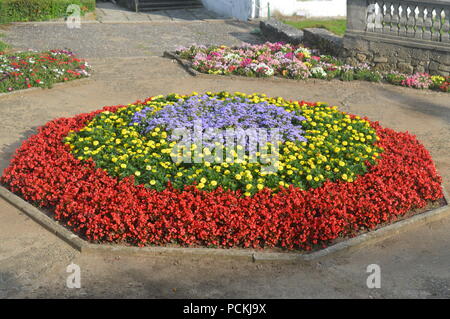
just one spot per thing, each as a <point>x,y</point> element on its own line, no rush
<point>231,113</point>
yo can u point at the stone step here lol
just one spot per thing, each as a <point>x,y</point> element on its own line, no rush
<point>151,5</point>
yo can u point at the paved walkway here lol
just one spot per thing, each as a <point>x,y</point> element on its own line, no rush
<point>127,37</point>
<point>33,261</point>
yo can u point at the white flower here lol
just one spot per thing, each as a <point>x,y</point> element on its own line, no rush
<point>318,71</point>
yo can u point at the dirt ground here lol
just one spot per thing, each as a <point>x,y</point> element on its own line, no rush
<point>33,261</point>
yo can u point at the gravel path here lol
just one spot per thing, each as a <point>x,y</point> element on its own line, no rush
<point>94,40</point>
<point>33,262</point>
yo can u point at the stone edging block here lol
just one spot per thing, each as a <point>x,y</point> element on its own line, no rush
<point>320,38</point>
<point>275,30</point>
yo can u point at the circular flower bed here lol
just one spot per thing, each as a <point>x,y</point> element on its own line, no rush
<point>121,174</point>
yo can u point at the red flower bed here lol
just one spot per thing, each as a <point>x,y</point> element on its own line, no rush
<point>102,208</point>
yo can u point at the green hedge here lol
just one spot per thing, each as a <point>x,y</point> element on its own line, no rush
<point>39,10</point>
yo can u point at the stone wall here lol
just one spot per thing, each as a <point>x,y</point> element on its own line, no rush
<point>382,36</point>
<point>404,35</point>
<point>402,57</point>
<point>322,39</point>
<point>276,31</point>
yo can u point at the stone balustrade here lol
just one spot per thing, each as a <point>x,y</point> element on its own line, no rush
<point>407,35</point>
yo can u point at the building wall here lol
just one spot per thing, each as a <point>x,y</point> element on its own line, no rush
<point>239,9</point>
<point>248,9</point>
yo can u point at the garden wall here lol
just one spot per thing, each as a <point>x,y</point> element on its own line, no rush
<point>403,35</point>
<point>408,36</point>
<point>322,39</point>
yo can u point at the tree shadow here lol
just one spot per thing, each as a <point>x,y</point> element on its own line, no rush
<point>8,285</point>
<point>251,35</point>
<point>416,103</point>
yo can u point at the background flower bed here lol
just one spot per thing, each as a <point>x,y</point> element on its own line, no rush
<point>24,70</point>
<point>102,208</point>
<point>39,10</point>
<point>295,62</point>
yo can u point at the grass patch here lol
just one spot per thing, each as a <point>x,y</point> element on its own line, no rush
<point>3,45</point>
<point>337,26</point>
<point>39,10</point>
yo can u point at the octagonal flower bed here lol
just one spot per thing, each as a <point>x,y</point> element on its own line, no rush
<point>123,175</point>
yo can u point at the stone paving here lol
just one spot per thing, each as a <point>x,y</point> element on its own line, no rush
<point>120,34</point>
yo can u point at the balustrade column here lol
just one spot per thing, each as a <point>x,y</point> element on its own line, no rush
<point>428,24</point>
<point>411,23</point>
<point>436,32</point>
<point>395,19</point>
<point>445,36</point>
<point>402,22</point>
<point>420,22</point>
<point>387,17</point>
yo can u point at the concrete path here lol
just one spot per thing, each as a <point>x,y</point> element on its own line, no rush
<point>33,262</point>
<point>97,40</point>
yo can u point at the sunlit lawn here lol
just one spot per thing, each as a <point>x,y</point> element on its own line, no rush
<point>337,26</point>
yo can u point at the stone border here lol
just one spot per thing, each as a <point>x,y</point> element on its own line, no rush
<point>318,38</point>
<point>156,22</point>
<point>275,30</point>
<point>184,63</point>
<point>249,254</point>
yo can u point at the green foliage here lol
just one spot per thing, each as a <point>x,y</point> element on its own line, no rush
<point>368,75</point>
<point>337,26</point>
<point>39,10</point>
<point>395,78</point>
<point>3,45</point>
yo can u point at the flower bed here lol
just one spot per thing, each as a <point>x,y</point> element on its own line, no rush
<point>24,70</point>
<point>108,176</point>
<point>295,62</point>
